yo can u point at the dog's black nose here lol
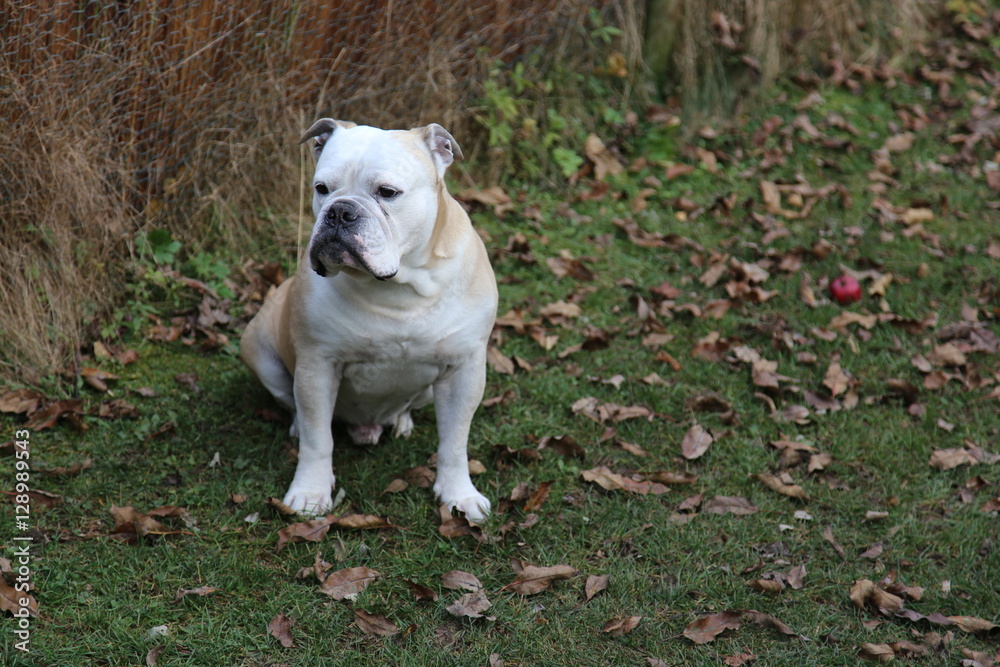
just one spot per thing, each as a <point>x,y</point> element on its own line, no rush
<point>342,213</point>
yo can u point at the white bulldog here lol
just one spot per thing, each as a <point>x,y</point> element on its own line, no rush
<point>393,312</point>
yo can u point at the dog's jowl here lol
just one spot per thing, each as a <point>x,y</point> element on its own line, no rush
<point>390,310</point>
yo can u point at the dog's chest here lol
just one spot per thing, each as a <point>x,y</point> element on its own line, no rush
<point>392,367</point>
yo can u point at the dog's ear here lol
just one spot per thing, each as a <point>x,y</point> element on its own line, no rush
<point>443,147</point>
<point>322,130</point>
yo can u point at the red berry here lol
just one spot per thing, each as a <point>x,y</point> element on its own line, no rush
<point>845,289</point>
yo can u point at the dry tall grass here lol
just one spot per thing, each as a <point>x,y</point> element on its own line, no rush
<point>726,52</point>
<point>185,115</point>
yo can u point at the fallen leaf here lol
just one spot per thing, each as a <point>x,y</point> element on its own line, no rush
<point>972,624</point>
<point>796,576</point>
<point>865,593</point>
<point>611,481</point>
<point>775,483</point>
<point>729,504</point>
<point>457,579</point>
<point>532,580</point>
<point>695,442</point>
<point>836,380</point>
<point>605,163</point>
<point>348,583</point>
<point>707,628</point>
<point>771,586</point>
<point>280,628</point>
<point>50,414</point>
<point>422,593</point>
<point>499,361</point>
<point>595,584</point>
<point>739,659</point>
<point>946,459</point>
<point>470,605</point>
<point>10,600</point>
<point>313,530</point>
<point>876,652</point>
<point>21,401</point>
<point>374,624</point>
<point>492,196</point>
<point>96,378</point>
<point>619,626</point>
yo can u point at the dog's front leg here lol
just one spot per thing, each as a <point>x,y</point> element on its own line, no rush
<point>456,397</point>
<point>316,385</point>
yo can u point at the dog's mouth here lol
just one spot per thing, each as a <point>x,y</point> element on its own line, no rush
<point>343,257</point>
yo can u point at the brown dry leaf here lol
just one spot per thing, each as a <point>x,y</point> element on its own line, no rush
<point>280,628</point>
<point>422,593</point>
<point>21,401</point>
<point>313,530</point>
<point>796,576</point>
<point>492,196</point>
<point>130,523</point>
<point>946,459</point>
<point>707,628</point>
<point>617,627</point>
<point>610,481</point>
<point>10,600</point>
<point>739,659</point>
<point>282,508</point>
<point>153,655</point>
<point>470,605</point>
<point>457,579</point>
<point>595,584</point>
<point>671,477</point>
<point>499,361</point>
<point>767,621</point>
<point>899,143</point>
<point>876,652</point>
<point>360,521</point>
<point>947,354</point>
<point>532,580</point>
<point>563,266</point>
<point>695,442</point>
<point>348,583</point>
<point>836,380</point>
<point>50,414</point>
<point>729,504</point>
<point>420,476</point>
<point>864,593</point>
<point>605,163</point>
<point>972,624</point>
<point>538,497</point>
<point>374,624</point>
<point>770,586</point>
<point>778,484</point>
<point>396,486</point>
<point>564,445</point>
<point>97,378</point>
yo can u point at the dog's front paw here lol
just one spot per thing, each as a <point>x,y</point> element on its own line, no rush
<point>310,499</point>
<point>465,499</point>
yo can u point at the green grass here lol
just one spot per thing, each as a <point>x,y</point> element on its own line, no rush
<point>99,597</point>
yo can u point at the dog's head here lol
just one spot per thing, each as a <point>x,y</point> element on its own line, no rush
<point>375,194</point>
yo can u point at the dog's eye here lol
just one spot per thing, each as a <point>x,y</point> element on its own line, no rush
<point>322,189</point>
<point>387,192</point>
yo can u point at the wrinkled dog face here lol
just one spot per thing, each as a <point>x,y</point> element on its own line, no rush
<point>374,197</point>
